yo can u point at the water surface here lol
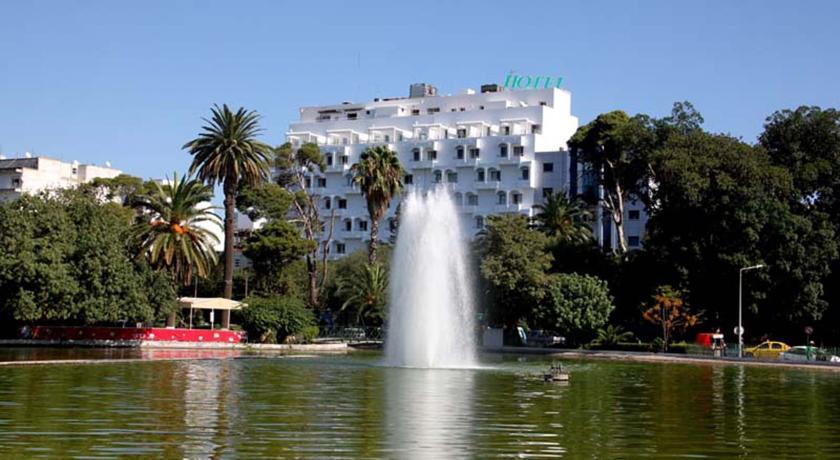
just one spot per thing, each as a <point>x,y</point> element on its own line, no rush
<point>349,407</point>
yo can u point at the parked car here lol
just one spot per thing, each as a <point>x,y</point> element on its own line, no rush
<point>801,353</point>
<point>767,350</point>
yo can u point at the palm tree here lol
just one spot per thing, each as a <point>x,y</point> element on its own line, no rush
<point>380,177</point>
<point>366,292</point>
<point>564,219</point>
<point>227,152</point>
<point>173,232</point>
<point>611,336</point>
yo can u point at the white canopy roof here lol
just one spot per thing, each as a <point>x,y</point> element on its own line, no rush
<point>210,303</point>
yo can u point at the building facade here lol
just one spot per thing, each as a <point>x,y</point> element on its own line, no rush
<point>497,150</point>
<point>34,174</point>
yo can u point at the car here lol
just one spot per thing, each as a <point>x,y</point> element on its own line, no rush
<point>801,353</point>
<point>767,350</point>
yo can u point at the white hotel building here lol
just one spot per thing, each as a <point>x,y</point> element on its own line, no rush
<point>498,151</point>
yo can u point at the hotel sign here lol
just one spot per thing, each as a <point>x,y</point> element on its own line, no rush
<point>513,81</point>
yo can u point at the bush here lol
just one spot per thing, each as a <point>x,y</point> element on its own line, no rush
<point>575,305</point>
<point>272,319</point>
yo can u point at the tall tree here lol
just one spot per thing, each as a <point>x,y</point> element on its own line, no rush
<point>613,148</point>
<point>297,169</point>
<point>514,263</point>
<point>172,231</point>
<point>227,152</point>
<point>721,205</point>
<point>379,175</point>
<point>366,292</point>
<point>565,220</point>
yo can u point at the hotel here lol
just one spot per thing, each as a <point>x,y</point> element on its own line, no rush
<point>497,150</point>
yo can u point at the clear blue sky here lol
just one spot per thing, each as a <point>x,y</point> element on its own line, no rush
<point>128,81</point>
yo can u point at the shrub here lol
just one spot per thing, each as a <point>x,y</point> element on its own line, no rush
<point>272,319</point>
<point>575,305</point>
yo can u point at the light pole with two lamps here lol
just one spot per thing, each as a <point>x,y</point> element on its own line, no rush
<point>740,330</point>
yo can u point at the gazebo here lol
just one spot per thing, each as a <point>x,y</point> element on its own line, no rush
<point>207,303</point>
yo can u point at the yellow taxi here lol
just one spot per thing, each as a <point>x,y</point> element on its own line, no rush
<point>766,350</point>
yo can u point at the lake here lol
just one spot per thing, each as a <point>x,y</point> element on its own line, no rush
<point>347,406</point>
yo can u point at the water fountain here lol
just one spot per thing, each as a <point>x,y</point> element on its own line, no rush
<point>431,321</point>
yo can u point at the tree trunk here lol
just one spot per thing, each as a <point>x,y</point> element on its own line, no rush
<point>312,268</point>
<point>374,235</point>
<point>230,203</point>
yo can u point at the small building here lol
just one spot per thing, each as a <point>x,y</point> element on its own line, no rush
<point>32,175</point>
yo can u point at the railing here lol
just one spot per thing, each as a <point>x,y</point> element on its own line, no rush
<point>351,334</point>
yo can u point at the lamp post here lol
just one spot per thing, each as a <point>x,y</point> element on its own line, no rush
<point>740,330</point>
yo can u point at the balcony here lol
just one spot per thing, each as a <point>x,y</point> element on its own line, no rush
<point>422,164</point>
<point>468,209</point>
<point>488,185</point>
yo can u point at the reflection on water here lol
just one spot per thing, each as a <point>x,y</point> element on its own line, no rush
<point>347,407</point>
<point>428,411</point>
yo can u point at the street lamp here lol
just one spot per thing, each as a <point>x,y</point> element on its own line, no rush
<point>740,330</point>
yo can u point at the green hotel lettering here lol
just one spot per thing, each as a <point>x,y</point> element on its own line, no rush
<point>525,81</point>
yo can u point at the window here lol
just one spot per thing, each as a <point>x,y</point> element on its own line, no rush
<point>506,130</point>
<point>633,214</point>
<point>452,177</point>
<point>501,198</point>
<point>322,182</point>
<point>535,129</point>
<point>438,177</point>
<point>479,175</point>
<point>475,152</point>
<point>776,346</point>
<point>432,154</point>
<point>340,248</point>
<point>415,111</point>
<point>327,203</point>
<point>16,182</point>
<point>462,133</point>
<point>433,110</point>
<point>548,167</point>
<point>495,175</point>
<point>352,116</point>
<point>479,222</point>
<point>348,225</point>
<point>633,241</point>
<point>307,182</point>
<point>363,225</point>
<point>481,107</point>
<point>516,198</point>
<point>408,179</point>
<point>416,154</point>
<point>526,174</point>
<point>542,103</point>
<point>342,203</point>
<point>387,138</point>
<point>344,159</point>
<point>518,150</point>
<point>459,152</point>
<point>503,151</point>
<point>472,200</point>
<point>547,191</point>
<point>329,160</point>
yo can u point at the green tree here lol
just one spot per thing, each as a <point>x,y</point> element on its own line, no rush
<point>721,204</point>
<point>123,188</point>
<point>271,249</point>
<point>514,262</point>
<point>296,168</point>
<point>575,305</point>
<point>564,220</point>
<point>227,152</point>
<point>379,175</point>
<point>171,232</point>
<point>365,292</point>
<point>66,257</point>
<point>613,148</point>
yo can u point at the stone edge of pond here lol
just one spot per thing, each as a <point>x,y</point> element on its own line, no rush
<point>658,358</point>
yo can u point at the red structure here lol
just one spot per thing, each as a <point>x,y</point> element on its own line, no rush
<point>152,334</point>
